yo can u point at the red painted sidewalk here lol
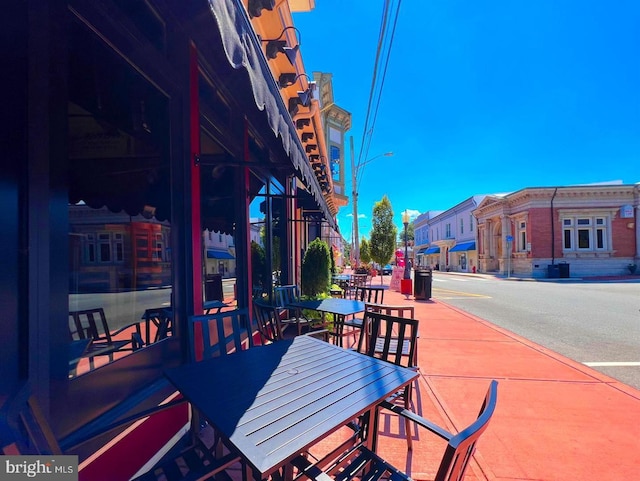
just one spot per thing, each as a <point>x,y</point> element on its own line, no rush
<point>556,419</point>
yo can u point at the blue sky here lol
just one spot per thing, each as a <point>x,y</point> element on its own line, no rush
<point>483,96</point>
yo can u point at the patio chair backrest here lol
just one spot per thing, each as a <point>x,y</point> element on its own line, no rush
<point>24,429</point>
<point>91,324</point>
<point>462,445</point>
<point>370,294</point>
<point>391,310</point>
<point>285,295</point>
<point>390,338</point>
<point>213,335</point>
<point>268,321</point>
<point>358,280</point>
<point>162,317</point>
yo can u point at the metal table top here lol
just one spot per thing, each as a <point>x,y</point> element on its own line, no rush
<point>275,401</point>
<point>332,305</point>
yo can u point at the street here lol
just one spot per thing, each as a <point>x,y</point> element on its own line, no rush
<point>595,323</point>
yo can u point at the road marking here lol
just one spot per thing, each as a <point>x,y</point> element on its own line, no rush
<point>611,364</point>
<point>451,294</point>
<point>453,298</point>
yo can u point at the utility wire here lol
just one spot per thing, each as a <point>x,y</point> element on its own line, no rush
<point>383,27</point>
<point>383,53</point>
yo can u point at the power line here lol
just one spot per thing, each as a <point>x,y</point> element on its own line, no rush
<point>383,51</point>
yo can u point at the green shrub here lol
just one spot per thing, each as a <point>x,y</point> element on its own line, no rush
<point>315,268</point>
<point>258,264</point>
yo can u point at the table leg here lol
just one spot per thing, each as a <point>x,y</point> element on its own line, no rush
<point>371,429</point>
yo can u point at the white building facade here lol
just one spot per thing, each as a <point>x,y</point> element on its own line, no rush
<point>452,236</point>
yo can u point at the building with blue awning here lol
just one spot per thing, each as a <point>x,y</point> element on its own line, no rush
<point>217,254</point>
<point>463,247</point>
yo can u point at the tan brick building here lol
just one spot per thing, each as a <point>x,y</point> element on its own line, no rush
<point>560,231</point>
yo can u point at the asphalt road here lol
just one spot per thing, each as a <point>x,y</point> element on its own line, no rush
<point>596,323</point>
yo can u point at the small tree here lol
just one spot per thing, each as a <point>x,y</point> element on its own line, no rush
<point>365,251</point>
<point>383,232</point>
<point>315,268</point>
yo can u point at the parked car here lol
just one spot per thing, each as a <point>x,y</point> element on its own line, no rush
<point>386,270</point>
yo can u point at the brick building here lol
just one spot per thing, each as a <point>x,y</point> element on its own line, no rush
<point>560,231</point>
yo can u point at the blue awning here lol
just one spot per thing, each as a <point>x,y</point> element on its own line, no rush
<point>464,246</point>
<point>421,251</point>
<point>217,254</point>
<point>433,250</point>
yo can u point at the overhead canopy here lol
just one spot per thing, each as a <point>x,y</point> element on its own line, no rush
<point>218,254</point>
<point>421,251</point>
<point>243,50</point>
<point>433,250</point>
<point>464,246</point>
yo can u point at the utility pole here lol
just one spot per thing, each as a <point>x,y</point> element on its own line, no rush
<point>354,201</point>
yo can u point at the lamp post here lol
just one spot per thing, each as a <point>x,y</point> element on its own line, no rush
<point>355,180</point>
<point>407,269</point>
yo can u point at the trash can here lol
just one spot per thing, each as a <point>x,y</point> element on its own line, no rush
<point>553,271</point>
<point>422,280</point>
<point>213,287</point>
<point>563,269</point>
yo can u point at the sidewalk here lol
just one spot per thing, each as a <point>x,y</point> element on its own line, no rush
<point>556,419</point>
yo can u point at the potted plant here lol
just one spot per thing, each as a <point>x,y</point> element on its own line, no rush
<point>632,268</point>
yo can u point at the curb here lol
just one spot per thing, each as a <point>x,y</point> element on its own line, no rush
<point>586,370</point>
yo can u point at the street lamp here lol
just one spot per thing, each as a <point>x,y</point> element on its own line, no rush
<point>355,181</point>
<point>407,269</point>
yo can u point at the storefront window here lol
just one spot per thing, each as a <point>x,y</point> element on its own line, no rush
<point>120,269</point>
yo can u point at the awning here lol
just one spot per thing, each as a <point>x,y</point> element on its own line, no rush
<point>464,246</point>
<point>243,50</point>
<point>421,251</point>
<point>218,254</point>
<point>433,250</point>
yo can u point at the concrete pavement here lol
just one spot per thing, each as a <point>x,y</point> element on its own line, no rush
<point>556,419</point>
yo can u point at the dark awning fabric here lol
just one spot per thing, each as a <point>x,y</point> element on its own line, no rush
<point>243,50</point>
<point>218,254</point>
<point>421,251</point>
<point>433,250</point>
<point>464,246</point>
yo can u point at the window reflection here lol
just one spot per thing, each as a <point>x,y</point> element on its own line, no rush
<point>120,261</point>
<point>220,267</point>
<point>119,285</point>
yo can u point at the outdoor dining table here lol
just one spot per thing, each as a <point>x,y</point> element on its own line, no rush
<point>331,305</point>
<point>273,402</point>
<point>340,308</point>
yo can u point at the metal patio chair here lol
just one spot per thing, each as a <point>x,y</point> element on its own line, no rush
<point>284,297</point>
<point>92,324</point>
<point>392,339</point>
<point>400,310</point>
<point>368,295</point>
<point>365,465</point>
<point>272,329</point>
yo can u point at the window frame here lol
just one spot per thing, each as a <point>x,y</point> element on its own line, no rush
<point>587,231</point>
